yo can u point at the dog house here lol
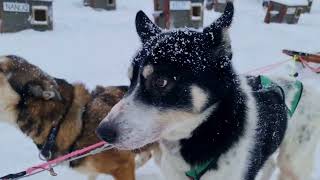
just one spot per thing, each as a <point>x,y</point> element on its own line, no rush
<point>217,5</point>
<point>17,15</point>
<point>178,13</point>
<point>286,11</point>
<point>101,4</point>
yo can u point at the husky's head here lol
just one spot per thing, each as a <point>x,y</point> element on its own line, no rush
<point>177,79</point>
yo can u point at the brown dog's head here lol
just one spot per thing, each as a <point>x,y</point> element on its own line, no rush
<point>24,88</point>
<point>38,114</point>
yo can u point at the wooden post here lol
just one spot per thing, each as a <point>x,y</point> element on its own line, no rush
<point>156,5</point>
<point>283,12</point>
<point>92,3</point>
<point>309,5</point>
<point>166,11</point>
<point>268,16</point>
<point>1,9</point>
<point>215,4</point>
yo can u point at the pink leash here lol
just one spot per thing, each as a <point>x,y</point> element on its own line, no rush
<point>90,150</point>
<point>306,64</point>
<point>267,67</point>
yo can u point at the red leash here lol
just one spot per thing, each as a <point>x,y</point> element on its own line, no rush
<point>47,166</point>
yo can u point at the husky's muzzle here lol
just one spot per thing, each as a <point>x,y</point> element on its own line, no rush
<point>108,130</point>
<point>129,125</point>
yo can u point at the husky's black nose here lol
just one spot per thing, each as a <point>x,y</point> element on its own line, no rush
<point>107,133</point>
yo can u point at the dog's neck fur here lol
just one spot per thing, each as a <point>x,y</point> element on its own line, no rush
<point>219,132</point>
<point>71,127</point>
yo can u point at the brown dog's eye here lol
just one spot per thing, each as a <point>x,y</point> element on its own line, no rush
<point>161,83</point>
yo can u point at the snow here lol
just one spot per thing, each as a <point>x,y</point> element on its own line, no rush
<point>96,47</point>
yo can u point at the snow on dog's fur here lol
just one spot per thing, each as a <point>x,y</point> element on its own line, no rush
<point>185,93</point>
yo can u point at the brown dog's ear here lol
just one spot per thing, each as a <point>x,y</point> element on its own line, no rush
<point>36,90</point>
<point>146,29</point>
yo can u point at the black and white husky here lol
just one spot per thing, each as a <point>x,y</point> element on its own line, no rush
<point>186,94</point>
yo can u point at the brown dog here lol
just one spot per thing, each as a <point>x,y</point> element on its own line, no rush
<point>37,103</point>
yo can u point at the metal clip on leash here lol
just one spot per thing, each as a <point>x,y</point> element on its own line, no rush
<point>43,158</point>
<point>51,172</point>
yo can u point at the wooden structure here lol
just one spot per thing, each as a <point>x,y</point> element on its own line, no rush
<point>178,13</point>
<point>217,5</point>
<point>303,61</point>
<point>286,11</point>
<point>17,15</point>
<point>314,58</point>
<point>101,4</point>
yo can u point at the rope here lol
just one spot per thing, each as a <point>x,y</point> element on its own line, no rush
<point>273,66</point>
<point>267,68</point>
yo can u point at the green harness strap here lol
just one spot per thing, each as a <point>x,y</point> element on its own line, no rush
<point>267,83</point>
<point>196,172</point>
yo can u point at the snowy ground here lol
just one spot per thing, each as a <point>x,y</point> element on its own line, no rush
<point>95,47</point>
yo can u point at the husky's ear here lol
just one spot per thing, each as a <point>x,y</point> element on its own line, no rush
<point>145,27</point>
<point>222,23</point>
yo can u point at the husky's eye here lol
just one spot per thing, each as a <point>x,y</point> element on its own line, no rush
<point>161,83</point>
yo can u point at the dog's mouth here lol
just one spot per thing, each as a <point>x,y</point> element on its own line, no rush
<point>129,126</point>
<point>137,143</point>
<point>133,148</point>
<point>130,139</point>
<point>144,148</point>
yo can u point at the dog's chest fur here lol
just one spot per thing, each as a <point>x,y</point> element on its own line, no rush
<point>174,167</point>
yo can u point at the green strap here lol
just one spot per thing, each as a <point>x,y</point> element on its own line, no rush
<point>267,83</point>
<point>196,172</point>
<point>296,99</point>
